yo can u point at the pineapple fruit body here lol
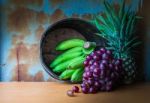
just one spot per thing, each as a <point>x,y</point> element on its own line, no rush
<point>129,70</point>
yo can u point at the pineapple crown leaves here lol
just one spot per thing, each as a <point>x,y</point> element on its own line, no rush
<point>118,28</point>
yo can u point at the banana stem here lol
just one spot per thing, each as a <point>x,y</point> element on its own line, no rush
<point>89,45</point>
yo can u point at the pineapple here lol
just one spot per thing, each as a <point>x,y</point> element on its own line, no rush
<point>118,29</point>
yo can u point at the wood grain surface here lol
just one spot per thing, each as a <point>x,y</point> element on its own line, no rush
<point>41,92</point>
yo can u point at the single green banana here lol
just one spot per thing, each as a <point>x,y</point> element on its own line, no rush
<point>66,74</point>
<point>67,44</point>
<point>75,49</point>
<point>76,63</point>
<point>62,58</point>
<point>63,66</point>
<point>77,75</point>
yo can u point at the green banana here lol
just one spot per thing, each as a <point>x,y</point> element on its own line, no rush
<point>77,75</point>
<point>75,49</point>
<point>63,66</point>
<point>64,57</point>
<point>70,44</point>
<point>76,63</point>
<point>66,74</point>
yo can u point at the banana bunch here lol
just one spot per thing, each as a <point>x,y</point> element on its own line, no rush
<point>69,64</point>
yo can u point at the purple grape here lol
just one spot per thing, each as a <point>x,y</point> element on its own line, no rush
<point>105,62</point>
<point>96,71</point>
<point>85,90</point>
<point>88,74</point>
<point>99,53</point>
<point>112,75</point>
<point>102,82</point>
<point>102,66</point>
<point>109,52</point>
<point>88,58</point>
<point>108,88</point>
<point>92,54</point>
<point>95,57</point>
<point>118,62</point>
<point>90,82</point>
<point>97,84</point>
<point>75,89</point>
<point>109,83</point>
<point>92,89</point>
<point>83,85</point>
<point>105,56</point>
<point>116,68</point>
<point>103,50</point>
<point>92,68</point>
<point>91,62</point>
<point>95,64</point>
<point>70,93</point>
<point>87,69</point>
<point>85,63</point>
<point>85,76</point>
<point>111,66</point>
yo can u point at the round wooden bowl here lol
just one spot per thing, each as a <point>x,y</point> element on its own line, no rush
<point>63,30</point>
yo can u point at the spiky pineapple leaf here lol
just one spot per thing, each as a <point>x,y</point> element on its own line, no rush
<point>129,43</point>
<point>122,9</point>
<point>132,46</point>
<point>123,25</point>
<point>105,22</point>
<point>132,27</point>
<point>100,18</point>
<point>129,22</point>
<point>102,35</point>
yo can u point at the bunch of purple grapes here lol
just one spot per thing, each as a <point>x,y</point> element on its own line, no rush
<point>102,72</point>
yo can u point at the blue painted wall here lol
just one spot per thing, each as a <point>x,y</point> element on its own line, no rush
<point>24,21</point>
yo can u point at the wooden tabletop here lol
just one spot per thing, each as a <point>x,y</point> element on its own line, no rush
<point>51,92</point>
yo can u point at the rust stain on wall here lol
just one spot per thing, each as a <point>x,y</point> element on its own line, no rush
<point>56,2</point>
<point>24,75</point>
<point>19,20</point>
<point>57,15</point>
<point>39,76</point>
<point>87,16</point>
<point>39,31</point>
<point>42,18</point>
<point>17,38</point>
<point>27,2</point>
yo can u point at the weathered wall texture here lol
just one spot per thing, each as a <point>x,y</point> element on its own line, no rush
<point>24,21</point>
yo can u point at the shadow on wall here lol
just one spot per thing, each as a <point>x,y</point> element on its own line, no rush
<point>145,35</point>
